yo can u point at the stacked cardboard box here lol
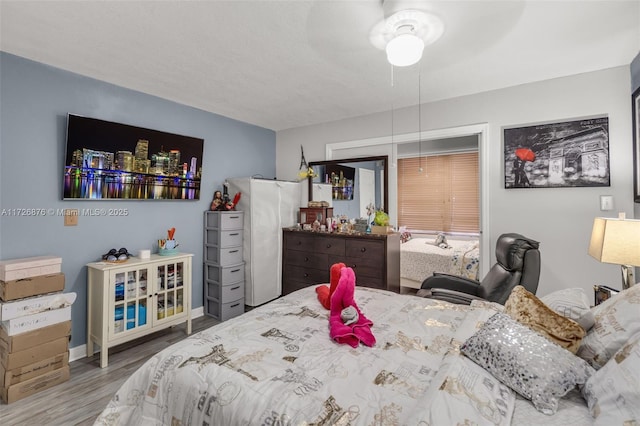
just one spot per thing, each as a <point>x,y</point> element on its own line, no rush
<point>35,325</point>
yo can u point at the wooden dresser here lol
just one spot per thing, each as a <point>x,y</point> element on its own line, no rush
<point>307,257</point>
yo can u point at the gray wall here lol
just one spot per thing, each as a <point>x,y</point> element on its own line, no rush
<point>560,218</point>
<point>635,84</point>
<point>35,100</point>
<point>635,73</point>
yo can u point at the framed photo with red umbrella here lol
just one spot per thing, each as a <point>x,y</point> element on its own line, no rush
<point>554,155</point>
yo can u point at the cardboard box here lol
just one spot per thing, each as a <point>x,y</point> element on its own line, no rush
<point>33,305</point>
<point>375,229</point>
<point>21,374</point>
<point>35,321</point>
<point>16,269</point>
<point>32,286</point>
<point>29,387</point>
<point>11,360</point>
<point>22,341</point>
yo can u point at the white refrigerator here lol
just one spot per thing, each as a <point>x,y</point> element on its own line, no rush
<point>268,206</point>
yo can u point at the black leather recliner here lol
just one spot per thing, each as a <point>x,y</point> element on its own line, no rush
<point>518,263</point>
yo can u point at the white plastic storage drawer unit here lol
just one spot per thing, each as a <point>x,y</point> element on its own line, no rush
<point>223,264</point>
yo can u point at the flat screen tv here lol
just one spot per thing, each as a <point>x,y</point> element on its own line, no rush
<point>112,161</point>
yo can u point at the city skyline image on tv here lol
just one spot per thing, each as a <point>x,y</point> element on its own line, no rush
<point>107,160</point>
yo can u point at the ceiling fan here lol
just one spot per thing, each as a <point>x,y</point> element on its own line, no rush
<point>404,33</point>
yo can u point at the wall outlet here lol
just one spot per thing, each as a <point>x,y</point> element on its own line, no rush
<point>71,217</point>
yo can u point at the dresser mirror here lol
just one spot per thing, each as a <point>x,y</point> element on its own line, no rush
<point>350,184</point>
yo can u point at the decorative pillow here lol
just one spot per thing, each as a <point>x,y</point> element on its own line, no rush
<point>612,392</point>
<point>527,309</point>
<point>617,319</point>
<point>571,303</point>
<point>464,393</point>
<point>527,362</point>
<point>485,304</point>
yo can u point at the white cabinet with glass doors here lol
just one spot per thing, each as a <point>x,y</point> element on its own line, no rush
<point>128,300</point>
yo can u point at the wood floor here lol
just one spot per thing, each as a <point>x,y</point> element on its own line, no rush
<point>83,397</point>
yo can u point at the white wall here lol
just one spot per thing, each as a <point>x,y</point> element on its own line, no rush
<point>560,218</point>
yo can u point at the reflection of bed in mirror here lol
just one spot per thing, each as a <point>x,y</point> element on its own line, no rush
<point>349,185</point>
<point>420,258</point>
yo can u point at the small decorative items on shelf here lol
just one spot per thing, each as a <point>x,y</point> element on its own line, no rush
<point>370,210</point>
<point>221,200</point>
<point>116,256</point>
<point>381,223</point>
<point>168,246</point>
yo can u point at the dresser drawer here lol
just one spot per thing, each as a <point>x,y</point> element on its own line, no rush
<point>365,248</point>
<point>225,220</point>
<point>362,266</point>
<point>231,238</point>
<point>232,292</point>
<point>225,293</point>
<point>313,243</point>
<point>223,256</point>
<point>224,274</point>
<point>298,241</point>
<point>371,282</point>
<point>224,311</point>
<point>306,275</point>
<point>307,259</point>
<point>329,245</point>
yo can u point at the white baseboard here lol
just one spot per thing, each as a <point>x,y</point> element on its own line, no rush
<point>79,352</point>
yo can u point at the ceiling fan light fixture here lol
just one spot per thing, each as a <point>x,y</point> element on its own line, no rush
<point>404,50</point>
<point>405,34</point>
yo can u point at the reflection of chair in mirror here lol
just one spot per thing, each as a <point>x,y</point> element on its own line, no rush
<point>518,263</point>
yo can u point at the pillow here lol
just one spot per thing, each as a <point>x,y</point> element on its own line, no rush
<point>527,362</point>
<point>485,304</point>
<point>462,392</point>
<point>571,303</point>
<point>527,309</point>
<point>617,319</point>
<point>612,392</point>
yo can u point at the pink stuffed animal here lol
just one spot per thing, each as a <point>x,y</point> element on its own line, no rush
<point>325,292</point>
<point>345,325</point>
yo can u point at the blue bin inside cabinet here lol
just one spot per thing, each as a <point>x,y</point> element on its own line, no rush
<point>142,315</point>
<point>131,319</point>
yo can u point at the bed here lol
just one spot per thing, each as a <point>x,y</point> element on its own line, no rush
<point>276,365</point>
<point>420,258</point>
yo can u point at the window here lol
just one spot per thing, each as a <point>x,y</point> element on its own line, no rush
<point>444,196</point>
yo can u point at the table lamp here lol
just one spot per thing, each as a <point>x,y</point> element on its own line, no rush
<point>617,240</point>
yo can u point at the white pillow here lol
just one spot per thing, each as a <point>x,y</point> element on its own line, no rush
<point>462,390</point>
<point>617,320</point>
<point>613,392</point>
<point>572,303</point>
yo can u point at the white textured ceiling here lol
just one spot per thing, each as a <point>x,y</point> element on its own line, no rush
<point>285,64</point>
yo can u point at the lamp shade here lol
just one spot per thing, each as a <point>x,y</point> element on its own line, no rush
<point>404,50</point>
<point>615,241</point>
